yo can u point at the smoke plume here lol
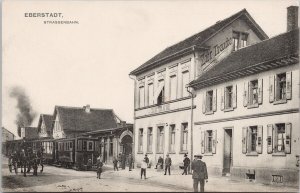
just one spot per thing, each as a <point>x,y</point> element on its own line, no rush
<point>25,114</point>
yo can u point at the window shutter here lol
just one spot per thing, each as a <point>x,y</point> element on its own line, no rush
<point>244,140</point>
<point>215,100</point>
<point>271,89</point>
<point>288,141</point>
<point>246,89</point>
<point>249,139</point>
<point>222,99</point>
<point>234,96</point>
<point>259,144</point>
<point>288,85</point>
<point>260,91</point>
<point>205,142</point>
<point>202,142</point>
<point>214,142</point>
<point>204,102</point>
<point>269,138</point>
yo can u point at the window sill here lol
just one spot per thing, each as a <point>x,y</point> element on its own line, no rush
<point>252,154</point>
<point>208,154</point>
<point>140,152</point>
<point>159,152</point>
<point>280,102</point>
<point>149,152</point>
<point>252,106</point>
<point>209,113</point>
<point>279,154</point>
<point>171,153</point>
<point>183,152</point>
<point>228,109</point>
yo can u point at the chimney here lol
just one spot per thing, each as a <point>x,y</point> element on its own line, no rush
<point>292,18</point>
<point>87,108</point>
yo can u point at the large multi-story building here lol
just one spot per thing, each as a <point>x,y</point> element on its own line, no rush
<point>243,115</point>
<point>163,104</point>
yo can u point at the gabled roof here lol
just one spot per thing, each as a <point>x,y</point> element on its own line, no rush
<point>197,41</point>
<point>31,132</point>
<point>78,120</point>
<point>48,120</point>
<point>269,54</point>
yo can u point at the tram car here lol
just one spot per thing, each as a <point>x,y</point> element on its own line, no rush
<point>46,145</point>
<point>79,153</point>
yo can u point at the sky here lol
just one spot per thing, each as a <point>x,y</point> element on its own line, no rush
<point>89,62</point>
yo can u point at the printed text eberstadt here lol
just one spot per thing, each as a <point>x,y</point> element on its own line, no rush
<point>51,15</point>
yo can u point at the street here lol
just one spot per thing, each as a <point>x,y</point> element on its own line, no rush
<point>55,179</point>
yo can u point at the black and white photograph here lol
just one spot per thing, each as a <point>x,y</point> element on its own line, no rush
<point>150,96</point>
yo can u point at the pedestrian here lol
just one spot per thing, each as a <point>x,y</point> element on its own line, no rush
<point>35,166</point>
<point>168,163</point>
<point>115,162</point>
<point>147,159</point>
<point>160,162</point>
<point>10,163</point>
<point>99,168</point>
<point>186,163</point>
<point>120,160</point>
<point>143,168</point>
<point>199,173</point>
<point>123,161</point>
<point>89,164</point>
<point>130,161</point>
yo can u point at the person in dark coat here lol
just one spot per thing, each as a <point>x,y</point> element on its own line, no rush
<point>123,161</point>
<point>10,163</point>
<point>186,163</point>
<point>160,162</point>
<point>146,159</point>
<point>115,162</point>
<point>99,168</point>
<point>199,173</point>
<point>168,163</point>
<point>120,160</point>
<point>130,161</point>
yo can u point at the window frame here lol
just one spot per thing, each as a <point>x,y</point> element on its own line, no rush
<point>160,139</point>
<point>184,132</point>
<point>150,140</point>
<point>141,136</point>
<point>172,148</point>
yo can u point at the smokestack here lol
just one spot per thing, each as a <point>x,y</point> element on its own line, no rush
<point>292,18</point>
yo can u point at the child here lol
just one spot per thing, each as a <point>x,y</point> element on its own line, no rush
<point>143,168</point>
<point>99,168</point>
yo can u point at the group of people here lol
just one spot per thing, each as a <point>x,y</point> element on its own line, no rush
<point>120,162</point>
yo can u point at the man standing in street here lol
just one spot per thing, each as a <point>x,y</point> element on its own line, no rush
<point>146,159</point>
<point>199,173</point>
<point>115,162</point>
<point>168,163</point>
<point>186,163</point>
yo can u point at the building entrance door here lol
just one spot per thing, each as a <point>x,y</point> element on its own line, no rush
<point>126,145</point>
<point>227,159</point>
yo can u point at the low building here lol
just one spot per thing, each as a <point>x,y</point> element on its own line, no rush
<point>45,126</point>
<point>7,135</point>
<point>29,133</point>
<point>247,122</point>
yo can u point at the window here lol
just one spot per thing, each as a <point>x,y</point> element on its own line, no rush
<point>279,138</point>
<point>281,87</point>
<point>150,94</point>
<point>71,145</point>
<point>208,141</point>
<point>84,146</point>
<point>141,96</point>
<point>161,91</point>
<point>228,98</point>
<point>173,87</point>
<point>252,139</point>
<point>184,136</point>
<point>79,145</point>
<point>239,40</point>
<point>282,90</point>
<point>253,92</point>
<point>160,139</point>
<point>111,147</point>
<point>150,139</point>
<point>140,144</point>
<point>185,81</point>
<point>90,145</point>
<point>209,101</point>
<point>172,138</point>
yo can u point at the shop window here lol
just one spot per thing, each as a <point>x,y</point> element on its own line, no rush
<point>172,138</point>
<point>252,139</point>
<point>208,141</point>
<point>160,139</point>
<point>150,139</point>
<point>184,136</point>
<point>140,144</point>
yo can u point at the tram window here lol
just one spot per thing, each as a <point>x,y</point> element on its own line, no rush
<point>84,146</point>
<point>79,145</point>
<point>91,146</point>
<point>71,145</point>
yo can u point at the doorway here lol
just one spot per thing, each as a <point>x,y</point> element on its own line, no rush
<point>227,162</point>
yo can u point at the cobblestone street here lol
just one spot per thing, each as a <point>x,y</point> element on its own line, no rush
<point>56,179</point>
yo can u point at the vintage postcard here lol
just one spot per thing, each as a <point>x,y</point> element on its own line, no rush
<point>150,96</point>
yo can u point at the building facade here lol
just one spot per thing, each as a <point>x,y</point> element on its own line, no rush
<point>7,135</point>
<point>163,103</point>
<point>45,126</point>
<point>248,120</point>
